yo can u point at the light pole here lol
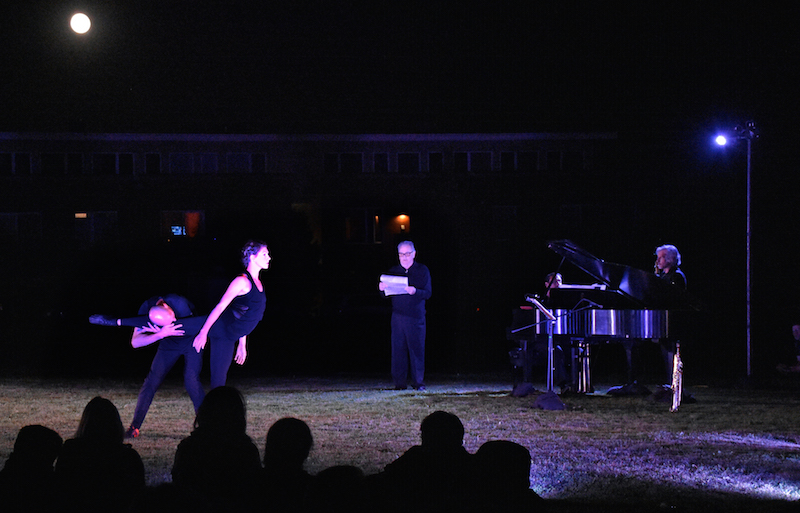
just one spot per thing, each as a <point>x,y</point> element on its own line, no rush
<point>747,133</point>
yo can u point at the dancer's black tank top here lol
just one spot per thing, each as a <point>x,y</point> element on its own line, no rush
<point>245,311</point>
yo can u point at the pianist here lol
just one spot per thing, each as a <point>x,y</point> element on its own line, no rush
<point>552,281</point>
<point>668,262</point>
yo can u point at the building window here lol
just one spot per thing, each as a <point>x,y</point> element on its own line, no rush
<point>345,163</point>
<point>125,164</point>
<point>209,163</point>
<point>480,162</point>
<point>508,162</point>
<point>152,164</point>
<point>22,163</point>
<point>460,162</point>
<point>75,163</point>
<point>58,164</point>
<point>15,164</point>
<point>331,163</point>
<point>435,163</point>
<point>181,163</point>
<point>237,163</point>
<point>182,224</point>
<point>104,163</point>
<point>95,228</point>
<point>527,161</point>
<point>473,162</point>
<point>258,163</point>
<point>363,226</point>
<point>381,162</point>
<point>519,162</point>
<point>6,164</point>
<point>408,163</point>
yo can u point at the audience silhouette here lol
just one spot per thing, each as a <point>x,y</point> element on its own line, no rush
<point>27,481</point>
<point>168,498</point>
<point>505,468</point>
<point>439,475</point>
<point>96,470</point>
<point>337,488</point>
<point>287,447</point>
<point>217,468</point>
<point>218,461</point>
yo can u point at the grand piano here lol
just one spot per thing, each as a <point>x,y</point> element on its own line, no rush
<point>624,304</point>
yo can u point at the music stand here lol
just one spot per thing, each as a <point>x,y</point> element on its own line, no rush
<point>550,321</point>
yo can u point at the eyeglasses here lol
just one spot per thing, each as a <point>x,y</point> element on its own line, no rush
<point>406,254</point>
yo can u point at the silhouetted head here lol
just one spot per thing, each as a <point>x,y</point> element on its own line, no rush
<point>101,422</point>
<point>37,446</point>
<point>505,464</point>
<point>288,443</point>
<point>442,430</point>
<point>222,412</point>
<point>337,488</point>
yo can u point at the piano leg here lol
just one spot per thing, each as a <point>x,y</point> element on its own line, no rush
<point>584,372</point>
<point>574,367</point>
<point>527,370</point>
<point>629,359</point>
<point>581,366</point>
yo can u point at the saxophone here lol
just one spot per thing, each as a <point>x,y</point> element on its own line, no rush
<point>677,378</point>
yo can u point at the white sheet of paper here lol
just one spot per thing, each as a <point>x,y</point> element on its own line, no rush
<point>394,284</point>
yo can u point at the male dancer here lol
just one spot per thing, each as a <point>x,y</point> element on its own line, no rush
<point>160,324</point>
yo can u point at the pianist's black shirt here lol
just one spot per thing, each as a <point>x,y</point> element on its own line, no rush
<point>676,277</point>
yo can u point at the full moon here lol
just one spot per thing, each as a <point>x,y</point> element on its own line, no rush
<point>80,23</point>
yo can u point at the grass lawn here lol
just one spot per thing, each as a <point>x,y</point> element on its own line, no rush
<point>735,449</point>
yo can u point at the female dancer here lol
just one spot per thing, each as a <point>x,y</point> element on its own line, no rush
<point>236,315</point>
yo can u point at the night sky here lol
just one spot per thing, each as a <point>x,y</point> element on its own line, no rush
<point>664,78</point>
<point>255,66</point>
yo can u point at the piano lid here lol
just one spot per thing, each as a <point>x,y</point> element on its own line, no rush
<point>644,288</point>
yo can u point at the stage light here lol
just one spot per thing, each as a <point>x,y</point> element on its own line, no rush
<point>749,133</point>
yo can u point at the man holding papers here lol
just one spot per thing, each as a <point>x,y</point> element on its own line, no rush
<point>409,286</point>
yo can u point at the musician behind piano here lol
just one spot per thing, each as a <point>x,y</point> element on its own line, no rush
<point>667,267</point>
<point>552,281</point>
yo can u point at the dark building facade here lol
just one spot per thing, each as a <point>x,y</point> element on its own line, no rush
<point>102,221</point>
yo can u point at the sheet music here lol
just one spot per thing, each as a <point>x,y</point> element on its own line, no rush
<point>395,285</point>
<point>547,313</point>
<point>594,286</point>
